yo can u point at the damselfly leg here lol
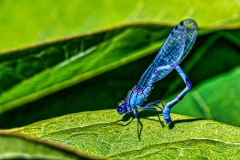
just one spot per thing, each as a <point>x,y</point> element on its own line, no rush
<point>169,105</point>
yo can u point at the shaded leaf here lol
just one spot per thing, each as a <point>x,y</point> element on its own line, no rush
<point>98,70</point>
<point>17,147</point>
<point>93,133</point>
<point>115,51</point>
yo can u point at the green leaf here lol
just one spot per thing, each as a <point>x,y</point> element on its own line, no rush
<point>93,133</point>
<point>32,66</point>
<point>48,20</point>
<point>86,57</point>
<point>19,147</point>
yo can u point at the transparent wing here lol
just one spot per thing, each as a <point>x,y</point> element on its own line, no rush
<point>191,35</point>
<point>174,50</point>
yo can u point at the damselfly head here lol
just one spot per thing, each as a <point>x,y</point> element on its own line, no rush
<point>121,107</point>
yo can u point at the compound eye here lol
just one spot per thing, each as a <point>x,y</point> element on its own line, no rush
<point>121,109</point>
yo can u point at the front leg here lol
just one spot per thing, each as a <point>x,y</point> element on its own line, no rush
<point>145,108</point>
<point>169,105</point>
<point>138,121</point>
<point>123,118</point>
<point>155,103</point>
